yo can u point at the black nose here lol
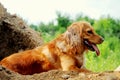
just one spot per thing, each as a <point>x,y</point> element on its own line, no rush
<point>101,39</point>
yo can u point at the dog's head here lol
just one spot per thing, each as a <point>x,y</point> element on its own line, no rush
<point>84,32</point>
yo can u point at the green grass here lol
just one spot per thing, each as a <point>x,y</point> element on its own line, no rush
<point>109,58</point>
<point>48,37</point>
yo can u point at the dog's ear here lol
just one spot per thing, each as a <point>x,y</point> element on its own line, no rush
<point>75,29</point>
<point>74,33</point>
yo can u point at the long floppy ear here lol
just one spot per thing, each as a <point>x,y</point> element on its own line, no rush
<point>74,33</point>
<point>74,29</point>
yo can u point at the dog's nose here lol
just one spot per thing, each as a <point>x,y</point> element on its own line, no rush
<point>101,39</point>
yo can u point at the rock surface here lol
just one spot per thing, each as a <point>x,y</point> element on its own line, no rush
<point>15,35</point>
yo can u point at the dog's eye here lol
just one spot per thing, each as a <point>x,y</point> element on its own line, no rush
<point>90,32</point>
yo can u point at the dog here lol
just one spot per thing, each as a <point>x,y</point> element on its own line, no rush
<point>66,52</point>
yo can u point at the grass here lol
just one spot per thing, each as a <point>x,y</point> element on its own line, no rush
<point>109,58</point>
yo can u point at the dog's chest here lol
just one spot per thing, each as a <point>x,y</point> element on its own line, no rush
<point>80,60</point>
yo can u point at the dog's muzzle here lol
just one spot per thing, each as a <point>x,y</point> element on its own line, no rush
<point>92,47</point>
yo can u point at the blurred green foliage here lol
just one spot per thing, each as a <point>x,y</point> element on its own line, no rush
<point>107,27</point>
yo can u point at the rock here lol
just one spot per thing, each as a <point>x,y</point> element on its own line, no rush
<point>65,76</point>
<point>15,34</point>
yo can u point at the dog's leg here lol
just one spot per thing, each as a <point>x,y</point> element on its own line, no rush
<point>75,68</point>
<point>66,62</point>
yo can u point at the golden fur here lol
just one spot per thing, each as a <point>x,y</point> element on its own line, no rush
<point>65,52</point>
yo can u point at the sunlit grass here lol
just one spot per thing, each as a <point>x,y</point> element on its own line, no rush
<point>109,58</point>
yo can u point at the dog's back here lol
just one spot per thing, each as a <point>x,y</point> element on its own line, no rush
<point>27,62</point>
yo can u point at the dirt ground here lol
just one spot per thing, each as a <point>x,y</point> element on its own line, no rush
<point>59,75</point>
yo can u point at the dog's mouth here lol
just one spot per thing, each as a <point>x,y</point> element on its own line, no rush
<point>92,47</point>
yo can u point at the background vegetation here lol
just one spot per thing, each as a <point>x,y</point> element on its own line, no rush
<point>107,27</point>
